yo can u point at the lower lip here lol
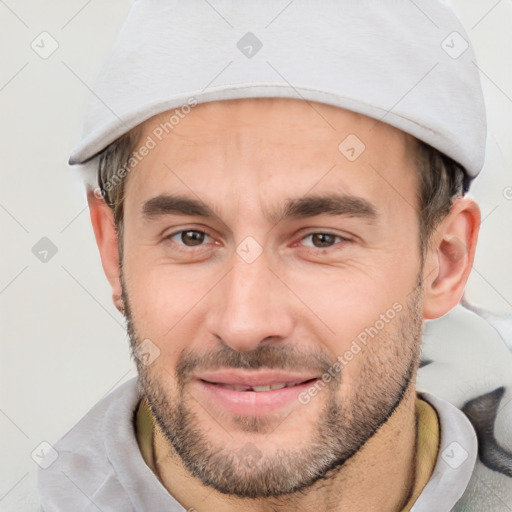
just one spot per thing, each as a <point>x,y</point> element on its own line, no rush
<point>252,403</point>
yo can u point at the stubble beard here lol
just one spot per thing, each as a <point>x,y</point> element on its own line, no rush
<point>246,470</point>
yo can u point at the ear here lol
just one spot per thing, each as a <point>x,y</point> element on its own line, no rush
<point>449,258</point>
<point>103,224</point>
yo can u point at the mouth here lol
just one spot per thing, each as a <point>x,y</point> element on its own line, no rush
<point>253,393</point>
<point>261,388</point>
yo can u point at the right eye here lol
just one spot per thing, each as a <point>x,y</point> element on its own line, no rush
<point>188,237</point>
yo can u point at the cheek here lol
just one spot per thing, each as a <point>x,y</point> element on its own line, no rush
<point>342,302</point>
<point>166,304</point>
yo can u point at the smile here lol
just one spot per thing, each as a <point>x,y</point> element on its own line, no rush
<point>267,387</point>
<point>250,392</point>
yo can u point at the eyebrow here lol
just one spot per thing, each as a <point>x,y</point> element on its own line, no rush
<point>302,207</point>
<point>168,205</point>
<point>332,204</point>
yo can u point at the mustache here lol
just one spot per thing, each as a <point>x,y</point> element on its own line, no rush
<point>265,356</point>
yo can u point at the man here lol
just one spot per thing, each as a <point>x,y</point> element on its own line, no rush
<point>280,205</point>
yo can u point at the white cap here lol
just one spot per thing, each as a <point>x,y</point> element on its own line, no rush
<point>405,63</point>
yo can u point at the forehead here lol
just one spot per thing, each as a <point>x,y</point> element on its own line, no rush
<point>271,146</point>
<point>281,117</point>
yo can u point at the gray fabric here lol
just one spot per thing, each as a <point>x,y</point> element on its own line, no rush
<point>471,367</point>
<point>100,464</point>
<point>387,60</point>
<point>450,476</point>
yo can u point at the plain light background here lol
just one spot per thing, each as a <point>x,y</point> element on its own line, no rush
<point>63,344</point>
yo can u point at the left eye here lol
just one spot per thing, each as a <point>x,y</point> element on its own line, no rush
<point>190,237</point>
<point>321,240</point>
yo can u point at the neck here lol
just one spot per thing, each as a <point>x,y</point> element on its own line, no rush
<point>380,476</point>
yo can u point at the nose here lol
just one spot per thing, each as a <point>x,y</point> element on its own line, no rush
<point>250,306</point>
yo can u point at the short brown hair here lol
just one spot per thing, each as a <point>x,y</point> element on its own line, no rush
<point>111,182</point>
<point>441,180</point>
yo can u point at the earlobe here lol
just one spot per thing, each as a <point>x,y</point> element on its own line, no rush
<point>450,258</point>
<point>102,219</point>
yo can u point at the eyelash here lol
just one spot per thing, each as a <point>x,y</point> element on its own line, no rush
<point>340,238</point>
<point>184,247</point>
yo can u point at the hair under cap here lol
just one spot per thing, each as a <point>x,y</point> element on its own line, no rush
<point>406,64</point>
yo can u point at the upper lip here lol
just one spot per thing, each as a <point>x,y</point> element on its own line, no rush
<point>255,378</point>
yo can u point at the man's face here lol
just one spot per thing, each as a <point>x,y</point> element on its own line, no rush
<point>256,254</point>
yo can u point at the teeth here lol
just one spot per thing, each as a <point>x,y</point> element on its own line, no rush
<point>261,388</point>
<point>239,388</point>
<point>235,388</point>
<point>267,387</point>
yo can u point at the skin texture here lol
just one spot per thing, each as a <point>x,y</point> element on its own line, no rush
<point>297,306</point>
